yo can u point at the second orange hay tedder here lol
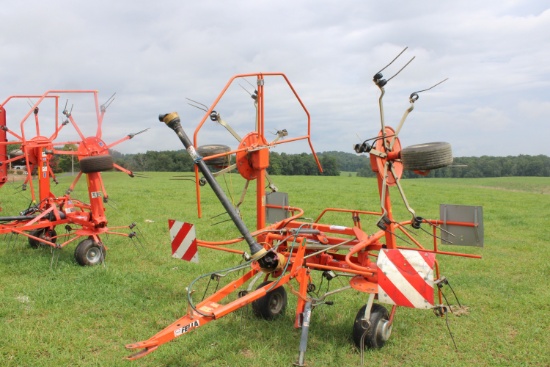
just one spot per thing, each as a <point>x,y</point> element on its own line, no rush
<point>388,265</point>
<point>38,141</point>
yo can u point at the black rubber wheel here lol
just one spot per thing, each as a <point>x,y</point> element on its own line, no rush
<point>427,156</point>
<point>44,233</point>
<point>378,329</point>
<point>272,305</point>
<point>89,253</point>
<point>208,150</point>
<point>96,163</point>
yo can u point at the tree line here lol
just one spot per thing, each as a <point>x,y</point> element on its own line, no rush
<point>484,166</point>
<point>180,161</point>
<point>333,163</point>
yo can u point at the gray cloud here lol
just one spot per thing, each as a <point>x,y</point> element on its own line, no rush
<point>155,54</point>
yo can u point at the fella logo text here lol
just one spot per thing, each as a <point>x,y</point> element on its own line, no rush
<point>186,328</point>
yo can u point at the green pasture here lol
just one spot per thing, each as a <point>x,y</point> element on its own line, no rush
<point>54,312</point>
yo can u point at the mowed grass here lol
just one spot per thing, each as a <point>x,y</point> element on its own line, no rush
<point>54,312</point>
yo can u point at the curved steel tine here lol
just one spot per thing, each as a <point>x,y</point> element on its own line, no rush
<point>400,70</point>
<point>197,104</point>
<point>432,87</point>
<point>391,62</point>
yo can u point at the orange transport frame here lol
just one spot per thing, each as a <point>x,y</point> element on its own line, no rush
<point>47,211</point>
<point>302,246</point>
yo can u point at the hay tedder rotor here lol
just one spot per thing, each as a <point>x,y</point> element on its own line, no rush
<point>37,143</point>
<point>388,265</point>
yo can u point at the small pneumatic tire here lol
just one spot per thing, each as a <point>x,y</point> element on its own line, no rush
<point>208,150</point>
<point>425,157</point>
<point>96,163</point>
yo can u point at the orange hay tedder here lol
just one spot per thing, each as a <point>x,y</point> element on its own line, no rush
<point>38,143</point>
<point>388,265</point>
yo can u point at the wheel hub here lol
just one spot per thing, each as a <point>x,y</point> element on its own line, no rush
<point>384,329</point>
<point>276,303</point>
<point>93,254</point>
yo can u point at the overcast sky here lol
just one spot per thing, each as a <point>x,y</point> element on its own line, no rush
<point>155,54</point>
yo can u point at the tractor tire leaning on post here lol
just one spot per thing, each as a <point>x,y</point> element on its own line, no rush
<point>96,163</point>
<point>425,157</point>
<point>272,305</point>
<point>208,150</point>
<point>89,253</point>
<point>374,333</point>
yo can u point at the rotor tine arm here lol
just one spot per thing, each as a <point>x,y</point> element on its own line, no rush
<point>225,170</point>
<point>122,169</point>
<point>140,175</point>
<point>405,115</point>
<point>402,193</point>
<point>270,181</point>
<point>65,152</point>
<point>52,175</point>
<point>107,103</point>
<point>432,87</point>
<point>243,194</point>
<point>280,134</point>
<point>381,108</point>
<point>71,119</point>
<point>105,196</point>
<point>229,128</point>
<point>383,191</point>
<point>13,159</point>
<point>139,132</point>
<point>413,98</point>
<point>30,168</point>
<point>6,129</point>
<point>56,132</point>
<point>127,137</point>
<point>73,184</point>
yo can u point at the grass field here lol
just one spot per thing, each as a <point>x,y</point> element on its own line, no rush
<point>54,312</point>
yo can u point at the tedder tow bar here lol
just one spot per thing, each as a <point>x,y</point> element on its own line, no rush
<point>390,265</point>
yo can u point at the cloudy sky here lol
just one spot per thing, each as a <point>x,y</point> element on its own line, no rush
<point>155,54</point>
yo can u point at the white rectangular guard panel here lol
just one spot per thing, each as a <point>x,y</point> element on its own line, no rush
<point>405,278</point>
<point>274,215</point>
<point>184,241</point>
<point>452,233</point>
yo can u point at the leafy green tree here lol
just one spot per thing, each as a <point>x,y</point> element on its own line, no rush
<point>275,165</point>
<point>330,165</point>
<point>66,163</point>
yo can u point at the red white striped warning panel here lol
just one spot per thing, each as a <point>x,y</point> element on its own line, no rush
<point>405,278</point>
<point>184,241</point>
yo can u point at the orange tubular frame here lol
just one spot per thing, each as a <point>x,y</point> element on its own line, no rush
<point>301,247</point>
<point>260,132</point>
<point>48,210</point>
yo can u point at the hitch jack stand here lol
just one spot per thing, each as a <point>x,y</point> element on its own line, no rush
<point>305,331</point>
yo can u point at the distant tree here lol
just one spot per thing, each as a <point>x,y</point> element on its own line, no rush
<point>330,165</point>
<point>365,170</point>
<point>275,165</point>
<point>12,147</point>
<point>65,162</point>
